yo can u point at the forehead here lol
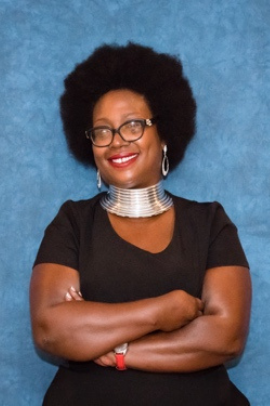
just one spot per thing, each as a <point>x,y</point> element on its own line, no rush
<point>122,100</point>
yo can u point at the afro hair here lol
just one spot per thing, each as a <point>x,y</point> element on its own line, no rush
<point>157,76</point>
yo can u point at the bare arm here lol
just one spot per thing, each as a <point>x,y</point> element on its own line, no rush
<point>216,337</point>
<point>82,330</point>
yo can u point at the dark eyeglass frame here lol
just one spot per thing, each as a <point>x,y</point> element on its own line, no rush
<point>148,122</point>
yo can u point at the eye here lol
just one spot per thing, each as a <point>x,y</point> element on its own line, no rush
<point>101,132</point>
<point>133,126</point>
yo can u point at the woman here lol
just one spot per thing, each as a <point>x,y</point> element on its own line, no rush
<point>145,294</point>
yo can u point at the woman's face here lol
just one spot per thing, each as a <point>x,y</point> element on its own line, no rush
<point>125,164</point>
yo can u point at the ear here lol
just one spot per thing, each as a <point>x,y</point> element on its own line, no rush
<point>162,143</point>
<point>163,146</point>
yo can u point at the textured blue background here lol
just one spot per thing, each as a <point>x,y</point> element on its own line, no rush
<point>225,48</point>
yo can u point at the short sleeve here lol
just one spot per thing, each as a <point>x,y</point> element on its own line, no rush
<point>225,248</point>
<point>60,243</point>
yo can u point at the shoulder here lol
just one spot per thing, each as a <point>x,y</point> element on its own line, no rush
<point>81,207</point>
<point>193,206</point>
<point>208,225</point>
<point>203,214</point>
<point>75,214</point>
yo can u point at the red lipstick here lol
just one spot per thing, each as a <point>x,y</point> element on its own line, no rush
<point>122,160</point>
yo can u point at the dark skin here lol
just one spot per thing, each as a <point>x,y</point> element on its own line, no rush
<point>160,228</point>
<point>173,332</point>
<point>212,339</point>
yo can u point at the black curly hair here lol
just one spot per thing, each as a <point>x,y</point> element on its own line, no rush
<point>157,76</point>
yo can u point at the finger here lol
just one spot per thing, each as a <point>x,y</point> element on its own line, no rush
<point>200,304</point>
<point>68,297</point>
<point>76,295</point>
<point>98,362</point>
<point>72,295</point>
<point>108,359</point>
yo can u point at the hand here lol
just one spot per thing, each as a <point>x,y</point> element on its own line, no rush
<point>106,360</point>
<point>176,309</point>
<point>72,294</point>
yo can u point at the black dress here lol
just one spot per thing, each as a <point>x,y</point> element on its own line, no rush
<point>112,271</point>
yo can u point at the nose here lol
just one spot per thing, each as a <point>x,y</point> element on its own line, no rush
<point>118,140</point>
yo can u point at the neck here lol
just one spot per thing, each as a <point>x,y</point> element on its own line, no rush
<point>136,203</point>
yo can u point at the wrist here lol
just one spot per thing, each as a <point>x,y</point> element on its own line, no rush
<point>120,352</point>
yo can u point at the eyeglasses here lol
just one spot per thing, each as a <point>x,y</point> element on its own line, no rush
<point>129,131</point>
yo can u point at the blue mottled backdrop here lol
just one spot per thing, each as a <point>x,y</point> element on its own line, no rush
<point>225,49</point>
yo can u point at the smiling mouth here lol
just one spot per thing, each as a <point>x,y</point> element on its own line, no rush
<point>123,160</point>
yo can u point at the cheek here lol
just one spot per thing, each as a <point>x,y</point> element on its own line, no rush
<point>97,155</point>
<point>155,150</point>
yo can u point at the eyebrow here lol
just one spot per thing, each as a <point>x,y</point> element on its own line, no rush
<point>127,117</point>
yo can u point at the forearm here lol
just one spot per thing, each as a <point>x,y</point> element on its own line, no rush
<point>67,326</point>
<point>85,330</point>
<point>207,341</point>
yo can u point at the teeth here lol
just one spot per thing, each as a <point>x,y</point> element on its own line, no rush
<point>124,159</point>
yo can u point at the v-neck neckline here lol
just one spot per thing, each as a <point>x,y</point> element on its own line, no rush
<point>116,235</point>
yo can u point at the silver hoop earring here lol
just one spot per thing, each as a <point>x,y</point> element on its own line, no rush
<point>99,181</point>
<point>165,166</point>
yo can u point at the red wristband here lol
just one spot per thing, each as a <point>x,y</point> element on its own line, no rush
<point>120,362</point>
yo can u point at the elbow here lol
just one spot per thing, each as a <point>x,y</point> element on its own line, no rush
<point>231,338</point>
<point>233,347</point>
<point>55,339</point>
<point>42,335</point>
<point>42,342</point>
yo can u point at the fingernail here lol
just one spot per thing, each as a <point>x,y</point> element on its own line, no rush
<point>68,297</point>
<point>73,289</point>
<point>80,294</point>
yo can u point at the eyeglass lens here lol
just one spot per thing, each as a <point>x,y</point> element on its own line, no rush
<point>129,131</point>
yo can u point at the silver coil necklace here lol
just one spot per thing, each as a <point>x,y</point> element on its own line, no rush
<point>135,203</point>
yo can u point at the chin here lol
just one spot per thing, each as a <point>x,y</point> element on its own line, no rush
<point>137,185</point>
<point>127,182</point>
